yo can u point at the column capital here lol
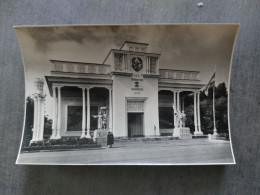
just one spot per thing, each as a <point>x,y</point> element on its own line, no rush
<point>85,87</point>
<point>59,87</point>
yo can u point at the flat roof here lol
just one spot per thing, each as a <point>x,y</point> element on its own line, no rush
<point>133,43</point>
<point>88,63</point>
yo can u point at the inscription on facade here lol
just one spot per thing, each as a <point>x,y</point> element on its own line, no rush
<point>135,106</point>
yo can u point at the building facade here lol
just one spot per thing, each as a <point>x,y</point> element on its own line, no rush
<point>139,98</point>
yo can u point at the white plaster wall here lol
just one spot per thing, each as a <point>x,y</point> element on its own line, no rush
<point>122,89</point>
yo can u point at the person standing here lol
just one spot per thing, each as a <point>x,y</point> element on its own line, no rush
<point>110,139</point>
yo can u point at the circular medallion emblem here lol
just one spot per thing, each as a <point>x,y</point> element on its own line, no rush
<point>137,63</point>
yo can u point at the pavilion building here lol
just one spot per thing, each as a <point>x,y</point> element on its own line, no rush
<point>139,97</point>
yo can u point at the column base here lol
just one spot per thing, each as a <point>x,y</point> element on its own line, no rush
<point>53,134</point>
<point>215,132</point>
<point>34,141</point>
<point>88,134</point>
<point>198,133</point>
<point>58,134</point>
<point>212,137</point>
<point>83,135</point>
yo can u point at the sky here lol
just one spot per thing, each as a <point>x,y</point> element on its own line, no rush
<point>197,47</point>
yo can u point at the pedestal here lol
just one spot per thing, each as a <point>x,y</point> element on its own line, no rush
<point>100,136</point>
<point>182,133</point>
<point>198,133</point>
<point>212,137</point>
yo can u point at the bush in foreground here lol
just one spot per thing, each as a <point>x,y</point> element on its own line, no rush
<point>61,144</point>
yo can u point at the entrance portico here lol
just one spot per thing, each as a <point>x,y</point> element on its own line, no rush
<point>72,100</point>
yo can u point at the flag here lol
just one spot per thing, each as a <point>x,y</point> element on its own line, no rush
<point>211,83</point>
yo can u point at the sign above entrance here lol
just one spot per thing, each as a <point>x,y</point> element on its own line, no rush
<point>135,106</point>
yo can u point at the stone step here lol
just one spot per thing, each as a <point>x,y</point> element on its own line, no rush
<point>140,139</point>
<point>199,136</point>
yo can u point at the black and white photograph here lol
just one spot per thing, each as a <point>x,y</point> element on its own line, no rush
<point>127,94</point>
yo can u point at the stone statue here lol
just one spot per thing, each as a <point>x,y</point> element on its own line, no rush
<point>99,116</point>
<point>181,118</point>
<point>102,119</point>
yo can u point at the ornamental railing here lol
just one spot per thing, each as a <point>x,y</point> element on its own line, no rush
<point>73,67</point>
<point>179,74</point>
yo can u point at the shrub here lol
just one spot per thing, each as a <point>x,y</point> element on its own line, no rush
<point>85,141</point>
<point>38,143</point>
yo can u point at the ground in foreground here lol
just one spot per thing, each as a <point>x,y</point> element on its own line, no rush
<point>165,152</point>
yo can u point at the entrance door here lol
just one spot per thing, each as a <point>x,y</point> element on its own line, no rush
<point>135,124</point>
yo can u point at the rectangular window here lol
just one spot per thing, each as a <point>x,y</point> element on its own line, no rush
<point>74,120</point>
<point>153,64</point>
<point>118,61</point>
<point>166,118</point>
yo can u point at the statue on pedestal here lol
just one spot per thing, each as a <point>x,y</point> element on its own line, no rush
<point>181,118</point>
<point>102,118</point>
<point>99,116</point>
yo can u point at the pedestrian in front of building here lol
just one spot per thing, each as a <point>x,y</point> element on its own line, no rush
<point>110,139</point>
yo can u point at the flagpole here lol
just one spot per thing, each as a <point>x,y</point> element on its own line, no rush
<point>214,117</point>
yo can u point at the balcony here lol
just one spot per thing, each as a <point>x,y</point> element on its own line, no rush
<point>78,67</point>
<point>179,74</point>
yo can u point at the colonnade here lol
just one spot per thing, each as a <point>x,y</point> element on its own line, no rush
<point>56,124</point>
<point>178,108</point>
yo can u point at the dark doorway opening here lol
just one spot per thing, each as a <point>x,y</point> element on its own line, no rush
<point>135,124</point>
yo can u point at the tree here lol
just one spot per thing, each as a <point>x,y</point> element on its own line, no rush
<point>47,126</point>
<point>28,121</point>
<point>206,110</point>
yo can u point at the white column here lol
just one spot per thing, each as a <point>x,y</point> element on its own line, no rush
<point>178,101</point>
<point>35,119</point>
<point>195,113</point>
<point>54,114</point>
<point>58,136</point>
<point>199,122</point>
<point>83,113</point>
<point>88,114</point>
<point>39,110</point>
<point>174,108</point>
<point>110,110</point>
<point>183,104</point>
<point>41,130</point>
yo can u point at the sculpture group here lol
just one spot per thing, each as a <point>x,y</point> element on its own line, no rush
<point>102,118</point>
<point>180,118</point>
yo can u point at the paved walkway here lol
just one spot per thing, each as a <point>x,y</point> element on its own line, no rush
<point>166,152</point>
